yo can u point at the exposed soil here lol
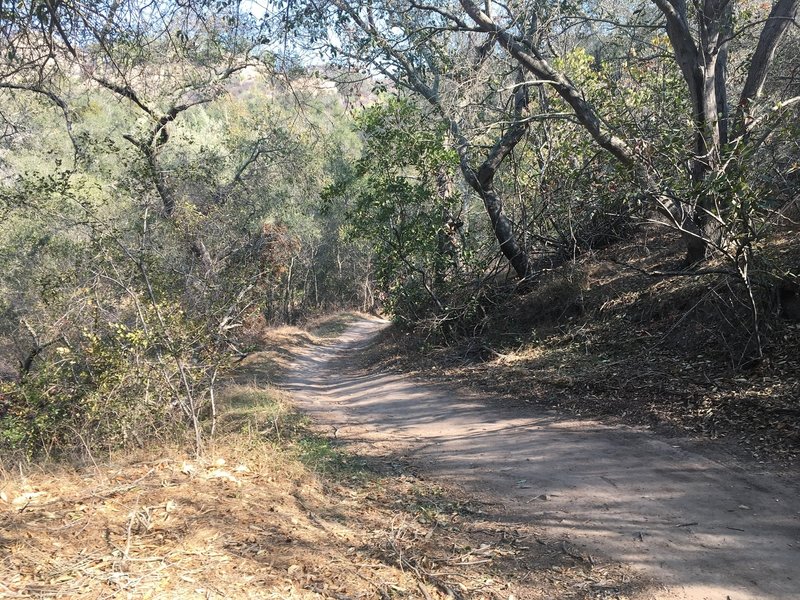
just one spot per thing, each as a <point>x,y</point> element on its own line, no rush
<point>608,337</point>
<point>700,527</point>
<point>275,510</point>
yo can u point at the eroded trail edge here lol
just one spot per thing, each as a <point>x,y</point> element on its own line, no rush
<point>703,529</point>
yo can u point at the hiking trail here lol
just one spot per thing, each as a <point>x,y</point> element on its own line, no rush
<point>702,529</point>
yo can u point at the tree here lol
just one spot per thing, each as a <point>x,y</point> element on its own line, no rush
<point>403,41</point>
<point>397,199</point>
<point>701,52</point>
<point>147,151</point>
<point>399,44</point>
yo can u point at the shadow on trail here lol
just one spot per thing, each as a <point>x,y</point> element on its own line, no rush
<point>704,529</point>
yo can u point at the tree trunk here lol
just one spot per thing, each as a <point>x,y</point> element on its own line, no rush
<point>530,60</point>
<point>482,181</point>
<point>288,296</point>
<point>413,81</point>
<point>448,240</point>
<point>201,252</point>
<point>703,63</point>
<point>783,15</point>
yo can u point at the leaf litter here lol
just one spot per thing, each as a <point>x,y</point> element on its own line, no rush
<point>274,512</point>
<point>180,529</point>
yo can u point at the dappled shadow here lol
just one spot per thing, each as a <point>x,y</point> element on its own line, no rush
<point>690,521</point>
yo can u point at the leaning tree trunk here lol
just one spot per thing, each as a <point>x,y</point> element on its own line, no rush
<point>530,60</point>
<point>702,62</point>
<point>482,181</point>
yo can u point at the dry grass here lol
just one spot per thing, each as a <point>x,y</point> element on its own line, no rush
<point>274,510</point>
<point>610,341</point>
<point>243,529</point>
<point>280,346</point>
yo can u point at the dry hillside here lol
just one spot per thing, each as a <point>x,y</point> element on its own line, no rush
<point>272,510</point>
<point>625,335</point>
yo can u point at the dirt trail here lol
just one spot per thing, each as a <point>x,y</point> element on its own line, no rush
<point>702,529</point>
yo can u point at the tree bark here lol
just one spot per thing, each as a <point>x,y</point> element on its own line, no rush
<point>448,239</point>
<point>528,57</point>
<point>703,63</point>
<point>782,15</point>
<point>482,180</point>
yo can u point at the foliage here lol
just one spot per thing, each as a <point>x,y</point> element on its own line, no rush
<point>399,200</point>
<point>158,198</point>
<point>172,181</point>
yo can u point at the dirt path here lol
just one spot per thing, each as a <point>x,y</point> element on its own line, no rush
<point>703,529</point>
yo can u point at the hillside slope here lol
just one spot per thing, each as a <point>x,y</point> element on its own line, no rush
<point>625,335</point>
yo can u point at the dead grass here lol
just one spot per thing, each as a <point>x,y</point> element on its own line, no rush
<point>278,347</point>
<point>610,341</point>
<point>244,529</point>
<point>274,510</point>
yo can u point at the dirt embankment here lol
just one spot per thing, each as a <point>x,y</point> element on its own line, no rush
<point>625,336</point>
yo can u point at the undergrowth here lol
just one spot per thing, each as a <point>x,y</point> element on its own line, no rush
<point>625,335</point>
<point>273,510</point>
